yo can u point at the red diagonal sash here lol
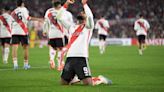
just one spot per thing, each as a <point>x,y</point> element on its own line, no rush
<point>20,22</point>
<point>51,18</point>
<point>142,25</point>
<point>5,23</point>
<point>102,26</point>
<point>75,35</point>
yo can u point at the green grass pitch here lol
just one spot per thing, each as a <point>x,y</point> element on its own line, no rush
<point>129,71</point>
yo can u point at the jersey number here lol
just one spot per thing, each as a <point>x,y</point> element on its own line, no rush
<point>19,16</point>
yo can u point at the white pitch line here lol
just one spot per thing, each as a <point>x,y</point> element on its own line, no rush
<point>9,69</point>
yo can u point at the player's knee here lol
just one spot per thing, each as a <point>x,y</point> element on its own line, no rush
<point>63,82</point>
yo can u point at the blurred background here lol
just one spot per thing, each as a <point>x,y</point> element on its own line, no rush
<point>121,15</point>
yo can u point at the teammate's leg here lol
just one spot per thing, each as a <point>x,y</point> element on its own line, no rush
<point>140,45</point>
<point>60,63</point>
<point>52,54</point>
<point>6,52</point>
<point>26,56</point>
<point>14,55</point>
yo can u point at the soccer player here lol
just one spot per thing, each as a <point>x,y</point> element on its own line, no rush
<point>102,25</point>
<point>20,32</point>
<point>5,33</point>
<point>55,32</point>
<point>77,49</point>
<point>141,27</point>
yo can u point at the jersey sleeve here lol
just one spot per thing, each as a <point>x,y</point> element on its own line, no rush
<point>61,13</point>
<point>136,26</point>
<point>26,14</point>
<point>89,20</point>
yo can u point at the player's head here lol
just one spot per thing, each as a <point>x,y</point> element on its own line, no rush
<point>6,9</point>
<point>81,18</point>
<point>57,4</point>
<point>141,15</point>
<point>20,3</point>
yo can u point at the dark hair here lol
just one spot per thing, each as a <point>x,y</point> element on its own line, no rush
<point>79,17</point>
<point>19,2</point>
<point>56,4</point>
<point>141,15</point>
<point>6,8</point>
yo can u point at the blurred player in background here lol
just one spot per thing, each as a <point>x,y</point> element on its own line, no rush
<point>20,32</point>
<point>141,27</point>
<point>102,25</point>
<point>55,33</point>
<point>5,33</point>
<point>77,49</point>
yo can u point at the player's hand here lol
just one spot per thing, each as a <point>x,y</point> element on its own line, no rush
<point>84,1</point>
<point>44,34</point>
<point>70,1</point>
<point>64,50</point>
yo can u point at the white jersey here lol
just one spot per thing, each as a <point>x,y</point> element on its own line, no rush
<point>102,22</point>
<point>141,26</point>
<point>68,17</point>
<point>20,14</point>
<point>49,27</point>
<point>4,31</point>
<point>79,47</point>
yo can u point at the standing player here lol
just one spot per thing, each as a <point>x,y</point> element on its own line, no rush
<point>55,34</point>
<point>141,27</point>
<point>77,49</point>
<point>5,33</point>
<point>20,32</point>
<point>102,25</point>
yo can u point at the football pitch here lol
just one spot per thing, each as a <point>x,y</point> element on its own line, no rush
<point>129,71</point>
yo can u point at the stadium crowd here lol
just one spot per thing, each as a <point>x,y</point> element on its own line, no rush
<point>120,13</point>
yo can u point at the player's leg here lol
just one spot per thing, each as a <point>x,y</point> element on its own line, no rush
<point>15,43</point>
<point>101,80</point>
<point>60,63</point>
<point>143,42</point>
<point>67,72</point>
<point>59,44</point>
<point>6,50</point>
<point>140,45</point>
<point>104,44</point>
<point>52,54</point>
<point>100,44</point>
<point>82,70</point>
<point>25,41</point>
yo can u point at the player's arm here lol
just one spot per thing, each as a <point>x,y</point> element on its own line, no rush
<point>66,24</point>
<point>46,27</point>
<point>89,15</point>
<point>136,26</point>
<point>147,25</point>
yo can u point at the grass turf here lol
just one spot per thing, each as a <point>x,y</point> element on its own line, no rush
<point>129,72</point>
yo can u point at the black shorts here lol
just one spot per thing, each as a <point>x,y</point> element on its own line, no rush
<point>17,39</point>
<point>5,40</point>
<point>56,43</point>
<point>102,37</point>
<point>65,40</point>
<point>76,66</point>
<point>141,38</point>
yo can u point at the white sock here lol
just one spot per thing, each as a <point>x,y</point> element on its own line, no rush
<point>15,61</point>
<point>140,51</point>
<point>101,47</point>
<point>59,57</point>
<point>25,62</point>
<point>52,54</point>
<point>96,81</point>
<point>6,54</point>
<point>74,80</point>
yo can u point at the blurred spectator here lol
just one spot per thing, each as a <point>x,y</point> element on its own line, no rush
<point>121,13</point>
